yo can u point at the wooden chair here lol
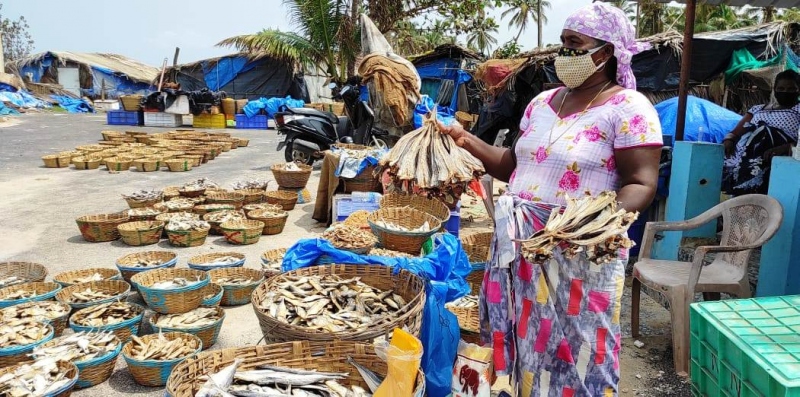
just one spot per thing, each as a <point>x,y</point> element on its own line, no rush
<point>747,222</point>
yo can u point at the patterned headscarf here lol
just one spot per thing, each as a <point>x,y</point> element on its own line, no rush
<point>608,23</point>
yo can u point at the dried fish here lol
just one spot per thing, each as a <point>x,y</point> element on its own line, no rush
<point>145,195</point>
<point>234,281</point>
<point>105,314</point>
<point>288,167</point>
<point>329,303</point>
<point>177,282</point>
<point>145,263</point>
<point>199,184</point>
<point>21,332</point>
<point>88,295</point>
<point>250,184</point>
<point>224,216</point>
<point>47,310</point>
<point>38,379</point>
<point>161,349</point>
<point>213,208</point>
<point>80,346</point>
<point>464,302</point>
<point>388,253</point>
<point>425,227</point>
<point>12,280</point>
<point>179,203</point>
<point>187,224</point>
<point>220,261</point>
<point>263,206</point>
<point>144,211</point>
<point>346,237</point>
<point>20,294</point>
<point>199,317</point>
<point>357,219</point>
<point>179,216</point>
<point>85,279</point>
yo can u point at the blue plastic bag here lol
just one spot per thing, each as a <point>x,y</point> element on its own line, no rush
<point>440,334</point>
<point>425,106</point>
<point>705,121</point>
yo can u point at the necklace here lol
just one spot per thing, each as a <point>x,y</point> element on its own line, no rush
<point>550,139</point>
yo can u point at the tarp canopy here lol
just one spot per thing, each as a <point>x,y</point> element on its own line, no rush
<point>705,120</point>
<point>443,63</point>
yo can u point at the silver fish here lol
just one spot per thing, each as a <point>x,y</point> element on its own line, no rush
<point>371,378</point>
<point>218,383</point>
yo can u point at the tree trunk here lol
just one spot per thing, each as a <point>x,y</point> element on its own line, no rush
<point>769,14</point>
<point>539,22</point>
<point>351,63</point>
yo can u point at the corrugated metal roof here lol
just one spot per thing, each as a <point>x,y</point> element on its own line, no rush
<point>135,70</point>
<point>739,3</point>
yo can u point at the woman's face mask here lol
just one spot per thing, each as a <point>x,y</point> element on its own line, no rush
<point>574,67</point>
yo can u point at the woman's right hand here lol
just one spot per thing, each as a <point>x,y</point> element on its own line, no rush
<point>730,147</point>
<point>456,131</point>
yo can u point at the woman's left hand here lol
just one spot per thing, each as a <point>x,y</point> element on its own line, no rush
<point>783,150</point>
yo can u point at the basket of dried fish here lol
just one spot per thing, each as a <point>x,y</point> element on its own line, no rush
<point>144,198</point>
<point>242,232</point>
<point>365,181</point>
<point>291,175</point>
<point>171,290</point>
<point>177,205</point>
<point>59,160</point>
<point>151,358</point>
<point>170,191</point>
<point>357,302</point>
<point>87,162</point>
<point>93,293</point>
<point>285,199</point>
<point>187,233</point>
<point>274,219</point>
<point>428,205</point>
<point>190,190</point>
<point>145,213</point>
<point>203,322</point>
<point>216,260</point>
<point>101,228</point>
<point>39,378</point>
<point>132,264</point>
<point>335,368</point>
<point>216,218</point>
<point>403,229</point>
<point>94,353</point>
<point>350,239</point>
<point>466,310</point>
<point>252,196</point>
<point>195,159</point>
<point>19,337</point>
<point>383,252</point>
<point>232,198</point>
<point>141,232</point>
<point>204,209</point>
<point>212,294</point>
<point>55,313</point>
<point>121,318</point>
<point>13,273</point>
<point>247,208</point>
<point>33,291</point>
<point>72,277</point>
<point>237,283</point>
<point>272,262</point>
<point>179,165</point>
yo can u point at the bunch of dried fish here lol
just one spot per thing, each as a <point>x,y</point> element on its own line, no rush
<point>288,167</point>
<point>199,317</point>
<point>179,203</point>
<point>38,379</point>
<point>224,216</point>
<point>425,227</point>
<point>105,314</point>
<point>429,160</point>
<point>20,294</point>
<point>160,349</point>
<point>220,261</point>
<point>47,310</point>
<point>388,253</point>
<point>263,206</point>
<point>234,280</point>
<point>12,280</point>
<point>145,195</point>
<point>88,295</point>
<point>141,262</point>
<point>187,224</point>
<point>177,282</point>
<point>346,237</point>
<point>21,332</point>
<point>329,303</point>
<point>464,302</point>
<point>85,279</point>
<point>81,346</point>
<point>144,211</point>
<point>357,219</point>
<point>593,225</point>
<point>250,184</point>
<point>199,184</point>
<point>178,216</point>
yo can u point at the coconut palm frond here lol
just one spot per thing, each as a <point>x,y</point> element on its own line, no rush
<point>286,46</point>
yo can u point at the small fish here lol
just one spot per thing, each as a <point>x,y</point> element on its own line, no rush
<point>105,314</point>
<point>371,378</point>
<point>77,347</point>
<point>199,317</point>
<point>218,383</point>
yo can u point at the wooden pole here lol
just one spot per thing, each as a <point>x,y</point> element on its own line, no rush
<point>686,65</point>
<point>103,90</point>
<point>638,17</point>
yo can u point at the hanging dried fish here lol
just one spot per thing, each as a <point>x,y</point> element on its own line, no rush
<point>161,349</point>
<point>105,314</point>
<point>81,346</point>
<point>21,332</point>
<point>346,237</point>
<point>199,317</point>
<point>38,379</point>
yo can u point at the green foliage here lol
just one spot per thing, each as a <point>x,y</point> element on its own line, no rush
<point>508,50</point>
<point>17,40</point>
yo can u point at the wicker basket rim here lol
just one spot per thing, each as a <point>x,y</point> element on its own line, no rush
<point>171,335</point>
<point>198,258</point>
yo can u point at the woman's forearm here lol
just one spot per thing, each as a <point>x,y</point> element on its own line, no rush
<point>499,162</point>
<point>636,197</point>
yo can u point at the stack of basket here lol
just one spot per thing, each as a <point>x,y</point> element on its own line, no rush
<point>366,180</point>
<point>291,185</point>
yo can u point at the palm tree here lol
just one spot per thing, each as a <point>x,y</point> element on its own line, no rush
<point>325,36</point>
<point>627,7</point>
<point>523,11</point>
<point>481,37</point>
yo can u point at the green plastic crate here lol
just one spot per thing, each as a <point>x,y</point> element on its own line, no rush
<point>746,347</point>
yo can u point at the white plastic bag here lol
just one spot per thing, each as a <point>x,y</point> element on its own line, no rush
<point>472,372</point>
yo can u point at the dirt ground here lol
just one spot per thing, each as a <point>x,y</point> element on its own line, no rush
<point>39,205</point>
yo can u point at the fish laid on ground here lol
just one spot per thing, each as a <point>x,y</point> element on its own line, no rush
<point>38,379</point>
<point>21,332</point>
<point>177,282</point>
<point>186,225</point>
<point>161,349</point>
<point>234,280</point>
<point>47,310</point>
<point>88,295</point>
<point>145,195</point>
<point>81,346</point>
<point>199,317</point>
<point>346,237</point>
<point>12,280</point>
<point>105,314</point>
<point>329,303</point>
<point>464,302</point>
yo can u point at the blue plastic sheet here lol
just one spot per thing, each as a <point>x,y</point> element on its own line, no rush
<point>73,105</point>
<point>7,111</point>
<point>705,121</point>
<point>444,269</point>
<point>425,106</point>
<point>23,99</point>
<point>271,105</point>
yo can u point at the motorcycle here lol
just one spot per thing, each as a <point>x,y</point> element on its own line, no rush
<point>304,134</point>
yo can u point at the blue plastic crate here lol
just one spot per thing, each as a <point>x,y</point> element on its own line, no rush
<point>257,122</point>
<point>121,117</point>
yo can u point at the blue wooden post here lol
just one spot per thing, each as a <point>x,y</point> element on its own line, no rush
<point>779,273</point>
<point>694,187</point>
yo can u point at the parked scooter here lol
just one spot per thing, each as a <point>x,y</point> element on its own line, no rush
<point>305,133</point>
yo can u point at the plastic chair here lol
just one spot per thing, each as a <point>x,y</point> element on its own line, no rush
<point>748,222</point>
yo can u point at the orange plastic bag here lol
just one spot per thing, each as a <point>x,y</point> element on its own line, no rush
<point>403,356</point>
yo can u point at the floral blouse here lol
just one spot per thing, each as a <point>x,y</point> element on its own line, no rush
<point>574,155</point>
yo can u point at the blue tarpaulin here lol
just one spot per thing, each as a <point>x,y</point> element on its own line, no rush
<point>705,121</point>
<point>271,105</point>
<point>444,269</point>
<point>425,106</point>
<point>433,72</point>
<point>23,99</point>
<point>6,111</point>
<point>73,105</point>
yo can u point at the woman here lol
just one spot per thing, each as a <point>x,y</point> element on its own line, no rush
<point>559,334</point>
<point>764,132</point>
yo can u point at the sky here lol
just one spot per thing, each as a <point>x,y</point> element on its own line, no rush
<point>149,30</point>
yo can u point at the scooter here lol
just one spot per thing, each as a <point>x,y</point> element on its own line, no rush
<point>304,134</point>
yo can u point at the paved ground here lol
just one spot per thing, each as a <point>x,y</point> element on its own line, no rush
<point>39,205</point>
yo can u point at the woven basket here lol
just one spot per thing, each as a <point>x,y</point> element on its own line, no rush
<point>89,148</point>
<point>475,277</point>
<point>107,135</point>
<point>269,257</point>
<point>179,165</point>
<point>406,284</point>
<point>187,238</point>
<point>247,208</point>
<point>117,164</point>
<point>365,181</point>
<point>134,203</point>
<point>168,301</point>
<point>272,224</point>
<point>65,279</point>
<point>19,354</point>
<point>141,232</point>
<point>116,288</point>
<point>205,262</point>
<point>235,295</point>
<point>252,196</point>
<point>188,377</point>
<point>285,199</point>
<point>468,318</point>
<point>67,368</point>
<point>97,370</point>
<point>243,142</point>
<point>131,103</point>
<point>408,242</point>
<point>147,164</point>
<point>243,232</point>
<point>125,263</point>
<point>151,217</point>
<point>175,207</point>
<point>292,179</point>
<point>122,330</point>
<point>171,192</point>
<point>191,193</point>
<point>212,294</point>
<point>477,246</point>
<point>204,209</point>
<point>59,323</point>
<point>86,162</point>
<point>57,160</point>
<point>207,333</point>
<point>154,373</point>
<point>215,225</point>
<point>232,198</point>
<point>101,228</point>
<point>23,271</point>
<point>420,203</point>
<point>43,291</point>
<point>195,160</point>
<point>465,119</point>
